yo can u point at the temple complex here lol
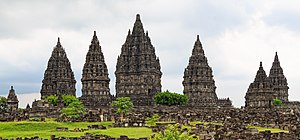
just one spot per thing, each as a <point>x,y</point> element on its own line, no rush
<point>58,77</point>
<point>138,74</point>
<point>198,82</point>
<point>260,93</point>
<point>264,90</point>
<point>12,100</point>
<point>95,81</point>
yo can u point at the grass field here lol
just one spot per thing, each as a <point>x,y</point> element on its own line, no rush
<point>46,129</point>
<point>260,129</point>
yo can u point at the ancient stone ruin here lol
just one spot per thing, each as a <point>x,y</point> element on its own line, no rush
<point>95,81</point>
<point>198,82</point>
<point>279,81</point>
<point>264,89</point>
<point>58,77</point>
<point>138,74</point>
<point>12,100</point>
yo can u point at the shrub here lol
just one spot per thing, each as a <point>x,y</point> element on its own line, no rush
<point>152,120</point>
<point>172,133</point>
<point>74,110</point>
<point>52,99</point>
<point>277,102</point>
<point>169,98</point>
<point>123,104</point>
<point>3,104</point>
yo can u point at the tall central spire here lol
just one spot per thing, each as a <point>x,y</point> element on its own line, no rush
<point>138,69</point>
<point>138,29</point>
<point>58,43</point>
<point>198,49</point>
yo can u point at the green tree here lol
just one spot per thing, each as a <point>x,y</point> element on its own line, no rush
<point>172,133</point>
<point>151,121</point>
<point>52,99</point>
<point>74,110</point>
<point>123,105</point>
<point>68,99</point>
<point>3,104</point>
<point>277,102</point>
<point>169,98</point>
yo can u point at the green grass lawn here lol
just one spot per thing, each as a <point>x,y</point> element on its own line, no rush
<point>273,130</point>
<point>260,129</point>
<point>46,129</point>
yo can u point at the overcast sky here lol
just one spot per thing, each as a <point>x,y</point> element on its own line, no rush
<point>236,36</point>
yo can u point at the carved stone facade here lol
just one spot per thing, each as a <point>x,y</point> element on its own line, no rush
<point>12,100</point>
<point>58,77</point>
<point>198,82</point>
<point>264,89</point>
<point>260,93</point>
<point>95,81</point>
<point>138,74</point>
<point>279,81</point>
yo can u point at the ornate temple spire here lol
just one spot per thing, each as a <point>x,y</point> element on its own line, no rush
<point>260,74</point>
<point>58,43</point>
<point>278,80</point>
<point>58,76</point>
<point>138,69</point>
<point>95,80</point>
<point>198,82</point>
<point>276,58</point>
<point>12,100</point>
<point>138,29</point>
<point>260,92</point>
<point>198,49</point>
<point>95,40</point>
<point>12,95</point>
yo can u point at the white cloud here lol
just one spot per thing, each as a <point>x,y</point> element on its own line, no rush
<point>240,51</point>
<point>26,98</point>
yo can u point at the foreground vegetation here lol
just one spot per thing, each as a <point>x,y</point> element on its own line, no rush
<point>46,129</point>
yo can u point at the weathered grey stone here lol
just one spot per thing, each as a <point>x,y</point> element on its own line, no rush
<point>198,82</point>
<point>12,100</point>
<point>58,77</point>
<point>278,80</point>
<point>95,81</point>
<point>138,74</point>
<point>260,93</point>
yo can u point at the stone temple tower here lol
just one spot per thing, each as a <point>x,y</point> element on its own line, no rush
<point>138,74</point>
<point>260,93</point>
<point>95,81</point>
<point>12,100</point>
<point>58,77</point>
<point>278,80</point>
<point>198,82</point>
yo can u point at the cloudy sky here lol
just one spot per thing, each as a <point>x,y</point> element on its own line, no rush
<point>236,36</point>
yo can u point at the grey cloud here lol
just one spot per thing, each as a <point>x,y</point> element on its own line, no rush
<point>285,18</point>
